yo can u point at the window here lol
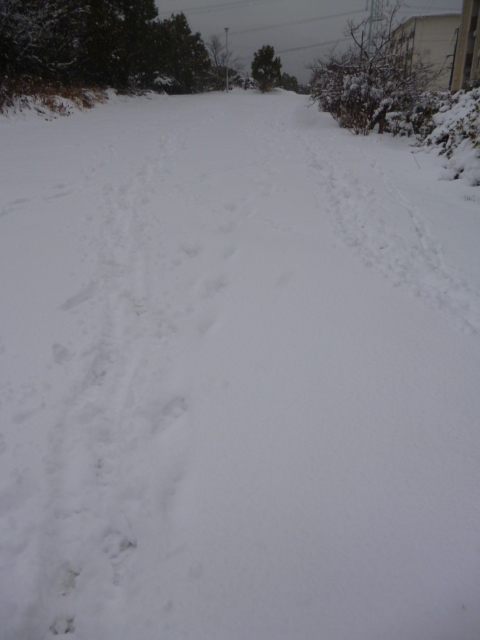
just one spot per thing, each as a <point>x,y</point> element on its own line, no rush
<point>468,62</point>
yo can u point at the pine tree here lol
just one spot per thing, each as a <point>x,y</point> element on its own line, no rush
<point>186,59</point>
<point>116,43</point>
<point>99,54</point>
<point>266,69</point>
<point>39,37</point>
<point>8,37</point>
<point>289,83</point>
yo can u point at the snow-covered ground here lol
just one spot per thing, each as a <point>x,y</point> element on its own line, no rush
<point>239,378</point>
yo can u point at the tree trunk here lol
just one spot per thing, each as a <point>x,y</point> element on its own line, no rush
<point>381,123</point>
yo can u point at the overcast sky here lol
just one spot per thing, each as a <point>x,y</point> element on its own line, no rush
<point>285,24</point>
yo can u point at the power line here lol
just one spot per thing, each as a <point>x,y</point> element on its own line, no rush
<point>237,4</point>
<point>314,46</point>
<point>408,7</point>
<point>297,22</point>
<point>433,12</point>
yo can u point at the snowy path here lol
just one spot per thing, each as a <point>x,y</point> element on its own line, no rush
<point>401,245</point>
<point>217,418</point>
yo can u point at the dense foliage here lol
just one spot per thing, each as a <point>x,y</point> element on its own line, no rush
<point>289,83</point>
<point>185,58</point>
<point>266,69</point>
<point>117,43</point>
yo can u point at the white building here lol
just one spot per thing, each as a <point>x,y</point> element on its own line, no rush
<point>432,39</point>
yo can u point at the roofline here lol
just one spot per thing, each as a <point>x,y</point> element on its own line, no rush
<point>443,14</point>
<point>450,14</point>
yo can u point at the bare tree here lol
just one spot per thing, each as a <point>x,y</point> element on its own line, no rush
<point>220,59</point>
<point>216,49</point>
<point>362,85</point>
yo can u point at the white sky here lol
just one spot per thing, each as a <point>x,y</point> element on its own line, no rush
<point>253,23</point>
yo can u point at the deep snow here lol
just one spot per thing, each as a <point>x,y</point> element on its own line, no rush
<point>239,378</point>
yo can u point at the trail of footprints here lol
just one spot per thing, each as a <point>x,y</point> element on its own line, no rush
<point>146,299</point>
<point>362,221</point>
<point>125,392</point>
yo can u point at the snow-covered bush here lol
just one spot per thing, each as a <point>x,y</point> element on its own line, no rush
<point>456,134</point>
<point>418,118</point>
<point>363,85</point>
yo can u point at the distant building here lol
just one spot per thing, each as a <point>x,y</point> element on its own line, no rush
<point>466,72</point>
<point>432,40</point>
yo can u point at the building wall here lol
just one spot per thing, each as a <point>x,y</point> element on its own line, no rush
<point>431,39</point>
<point>467,60</point>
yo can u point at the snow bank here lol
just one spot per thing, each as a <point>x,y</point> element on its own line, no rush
<point>47,104</point>
<point>457,136</point>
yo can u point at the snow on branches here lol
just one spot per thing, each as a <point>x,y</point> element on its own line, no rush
<point>369,80</point>
<point>456,134</point>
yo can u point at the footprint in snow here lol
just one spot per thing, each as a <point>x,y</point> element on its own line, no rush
<point>15,205</point>
<point>227,227</point>
<point>22,416</point>
<point>229,252</point>
<point>192,250</point>
<point>173,410</point>
<point>212,287</point>
<point>68,580</point>
<point>116,545</point>
<point>58,195</point>
<point>63,625</point>
<point>79,298</point>
<point>61,354</point>
<point>162,416</point>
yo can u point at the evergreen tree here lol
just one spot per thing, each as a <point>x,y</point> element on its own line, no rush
<point>186,60</point>
<point>289,83</point>
<point>135,42</point>
<point>99,57</point>
<point>266,69</point>
<point>8,12</point>
<point>116,46</point>
<point>117,43</point>
<point>39,37</point>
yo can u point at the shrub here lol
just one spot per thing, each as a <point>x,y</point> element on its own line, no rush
<point>361,86</point>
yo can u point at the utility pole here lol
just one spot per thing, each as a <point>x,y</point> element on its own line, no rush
<point>226,53</point>
<point>375,20</point>
<point>370,22</point>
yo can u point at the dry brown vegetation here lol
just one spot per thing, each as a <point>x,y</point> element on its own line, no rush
<point>26,93</point>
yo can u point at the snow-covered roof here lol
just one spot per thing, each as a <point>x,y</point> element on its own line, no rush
<point>420,16</point>
<point>406,21</point>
